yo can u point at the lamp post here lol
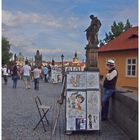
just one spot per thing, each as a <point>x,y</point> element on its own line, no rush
<point>32,61</point>
<point>53,62</point>
<point>62,58</point>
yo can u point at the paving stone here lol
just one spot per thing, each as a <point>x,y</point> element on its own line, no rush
<point>20,115</point>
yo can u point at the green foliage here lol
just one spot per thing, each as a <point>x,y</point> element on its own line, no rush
<point>127,25</point>
<point>6,54</point>
<point>116,30</point>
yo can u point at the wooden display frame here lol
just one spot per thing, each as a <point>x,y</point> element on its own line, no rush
<point>90,120</point>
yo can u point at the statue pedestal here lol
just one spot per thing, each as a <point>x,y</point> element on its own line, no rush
<point>91,58</point>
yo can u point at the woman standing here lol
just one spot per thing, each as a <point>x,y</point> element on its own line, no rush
<point>15,76</point>
<point>36,73</point>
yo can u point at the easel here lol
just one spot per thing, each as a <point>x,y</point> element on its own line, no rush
<point>60,102</point>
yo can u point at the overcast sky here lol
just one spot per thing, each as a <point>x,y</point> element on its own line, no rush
<point>57,26</point>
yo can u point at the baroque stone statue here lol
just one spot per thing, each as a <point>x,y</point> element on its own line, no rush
<point>38,58</point>
<point>92,31</point>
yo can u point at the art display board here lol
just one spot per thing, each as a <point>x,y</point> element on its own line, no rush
<point>92,80</point>
<point>93,110</point>
<point>76,80</point>
<point>76,110</point>
<point>83,80</point>
<point>83,103</point>
<point>56,75</point>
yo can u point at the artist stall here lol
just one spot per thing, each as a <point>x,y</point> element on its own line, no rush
<point>83,101</point>
<point>56,75</point>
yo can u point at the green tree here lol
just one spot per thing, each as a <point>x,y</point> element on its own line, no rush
<point>128,25</point>
<point>116,30</point>
<point>6,54</point>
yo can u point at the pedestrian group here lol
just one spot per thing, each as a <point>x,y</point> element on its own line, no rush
<point>27,73</point>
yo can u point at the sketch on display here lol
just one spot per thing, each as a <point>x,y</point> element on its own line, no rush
<point>76,80</point>
<point>76,109</point>
<point>92,80</point>
<point>93,109</point>
<point>80,123</point>
<point>93,121</point>
<point>56,75</point>
<point>76,103</point>
<point>71,123</point>
<point>93,102</point>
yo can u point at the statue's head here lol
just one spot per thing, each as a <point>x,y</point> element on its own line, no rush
<point>26,62</point>
<point>91,16</point>
<point>37,52</point>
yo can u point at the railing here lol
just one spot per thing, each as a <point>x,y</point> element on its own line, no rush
<point>124,112</point>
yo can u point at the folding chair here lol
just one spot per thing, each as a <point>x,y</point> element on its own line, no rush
<point>42,110</point>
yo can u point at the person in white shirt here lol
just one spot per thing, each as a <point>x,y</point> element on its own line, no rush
<point>36,73</point>
<point>5,74</point>
<point>109,86</point>
<point>26,75</point>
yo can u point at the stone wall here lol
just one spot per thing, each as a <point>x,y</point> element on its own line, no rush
<point>124,112</point>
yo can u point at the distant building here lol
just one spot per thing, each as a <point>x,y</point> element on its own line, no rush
<point>20,59</point>
<point>75,65</point>
<point>124,50</point>
<point>75,59</point>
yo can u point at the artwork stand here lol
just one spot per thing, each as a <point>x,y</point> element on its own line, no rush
<point>83,101</point>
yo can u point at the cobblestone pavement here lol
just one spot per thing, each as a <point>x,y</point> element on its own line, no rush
<point>19,116</point>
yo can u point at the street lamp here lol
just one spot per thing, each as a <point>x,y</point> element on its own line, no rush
<point>62,58</point>
<point>32,61</point>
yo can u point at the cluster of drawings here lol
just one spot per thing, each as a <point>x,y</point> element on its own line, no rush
<point>75,81</point>
<point>74,103</point>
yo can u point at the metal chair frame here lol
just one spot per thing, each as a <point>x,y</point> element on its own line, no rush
<point>44,109</point>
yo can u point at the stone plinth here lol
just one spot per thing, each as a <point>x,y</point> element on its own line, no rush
<point>91,58</point>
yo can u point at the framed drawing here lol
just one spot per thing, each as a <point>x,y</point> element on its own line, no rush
<point>93,102</point>
<point>92,80</point>
<point>76,109</point>
<point>93,109</point>
<point>56,75</point>
<point>93,121</point>
<point>76,80</point>
<point>70,123</point>
<point>76,103</point>
<point>80,123</point>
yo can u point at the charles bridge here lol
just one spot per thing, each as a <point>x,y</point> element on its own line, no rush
<point>20,115</point>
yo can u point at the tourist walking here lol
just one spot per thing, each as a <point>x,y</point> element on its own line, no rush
<point>36,74</point>
<point>49,73</point>
<point>45,70</point>
<point>15,75</point>
<point>5,74</point>
<point>26,75</point>
<point>109,85</point>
